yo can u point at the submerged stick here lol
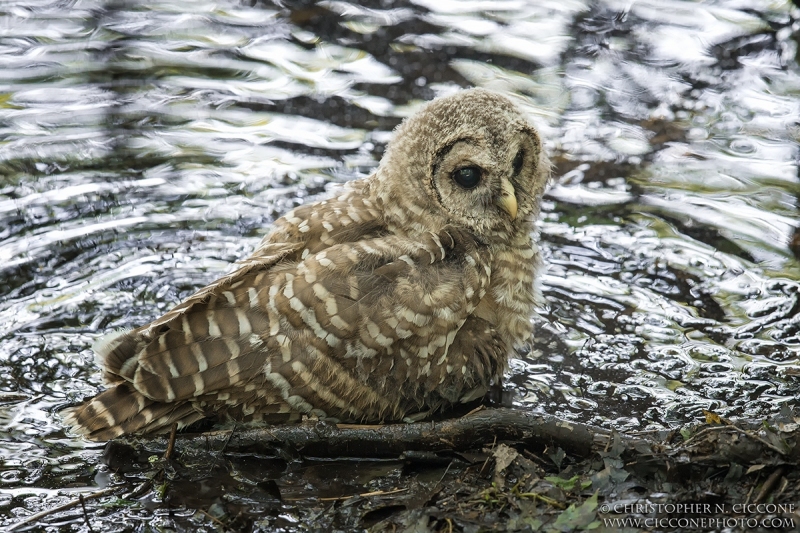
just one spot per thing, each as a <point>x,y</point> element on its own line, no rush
<point>69,505</point>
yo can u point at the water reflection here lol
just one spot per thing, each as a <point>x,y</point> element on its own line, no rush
<point>145,147</point>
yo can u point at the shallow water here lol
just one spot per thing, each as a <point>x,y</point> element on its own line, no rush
<point>146,146</point>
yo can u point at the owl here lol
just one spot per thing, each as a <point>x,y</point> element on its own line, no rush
<point>401,295</point>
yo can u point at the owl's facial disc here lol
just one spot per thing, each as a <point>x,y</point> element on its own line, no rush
<point>470,177</point>
<point>471,186</point>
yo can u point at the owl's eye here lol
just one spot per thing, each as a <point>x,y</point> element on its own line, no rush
<point>518,160</point>
<point>467,177</point>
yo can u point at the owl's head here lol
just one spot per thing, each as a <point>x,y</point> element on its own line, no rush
<point>471,160</point>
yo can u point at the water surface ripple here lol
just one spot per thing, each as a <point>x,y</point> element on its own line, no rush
<point>147,146</point>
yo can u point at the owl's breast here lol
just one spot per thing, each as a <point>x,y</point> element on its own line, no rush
<point>509,303</point>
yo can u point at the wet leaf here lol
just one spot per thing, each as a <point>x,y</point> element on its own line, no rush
<point>217,510</point>
<point>609,477</point>
<point>616,448</point>
<point>119,502</point>
<point>712,418</point>
<point>161,490</point>
<point>581,517</point>
<point>674,384</point>
<point>534,523</point>
<point>557,457</point>
<point>503,457</point>
<point>778,442</point>
<point>734,473</point>
<point>473,457</point>
<point>415,522</point>
<point>786,417</point>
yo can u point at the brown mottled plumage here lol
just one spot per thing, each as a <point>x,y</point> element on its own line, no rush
<point>404,294</point>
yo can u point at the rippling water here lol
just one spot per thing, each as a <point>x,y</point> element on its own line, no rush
<point>146,146</point>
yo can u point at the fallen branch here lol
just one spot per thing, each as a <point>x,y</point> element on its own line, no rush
<point>319,439</point>
<point>711,444</point>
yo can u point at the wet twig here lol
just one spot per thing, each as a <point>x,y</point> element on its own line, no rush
<point>69,505</point>
<point>85,514</point>
<point>140,490</point>
<point>768,485</point>
<point>171,444</point>
<point>362,495</point>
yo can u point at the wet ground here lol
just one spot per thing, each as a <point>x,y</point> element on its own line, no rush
<point>146,146</point>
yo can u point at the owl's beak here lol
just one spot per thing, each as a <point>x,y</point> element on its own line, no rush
<point>507,201</point>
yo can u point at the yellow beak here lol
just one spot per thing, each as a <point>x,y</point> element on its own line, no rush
<point>507,201</point>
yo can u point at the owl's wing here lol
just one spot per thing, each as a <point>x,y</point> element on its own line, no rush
<point>268,256</point>
<point>365,327</point>
<point>311,227</point>
<point>336,334</point>
<point>361,300</point>
<point>175,347</point>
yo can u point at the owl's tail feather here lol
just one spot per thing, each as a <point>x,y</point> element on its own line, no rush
<point>122,410</point>
<point>115,352</point>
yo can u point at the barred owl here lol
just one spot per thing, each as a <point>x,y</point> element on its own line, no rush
<point>403,294</point>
